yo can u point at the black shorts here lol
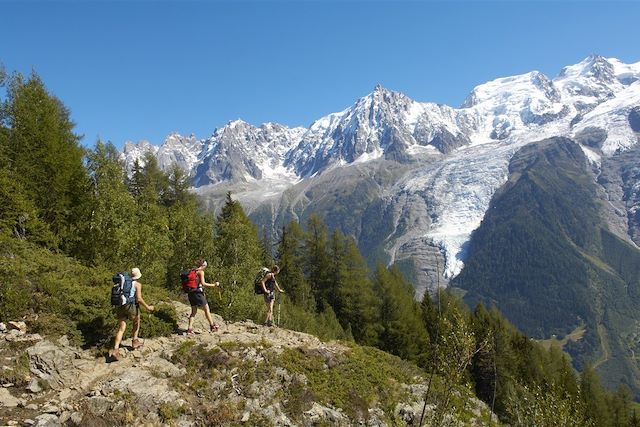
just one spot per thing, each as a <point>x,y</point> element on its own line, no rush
<point>269,296</point>
<point>197,299</point>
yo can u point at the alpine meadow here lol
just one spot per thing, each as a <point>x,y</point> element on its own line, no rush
<point>438,266</point>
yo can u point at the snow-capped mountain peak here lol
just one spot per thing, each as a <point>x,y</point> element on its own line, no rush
<point>594,67</point>
<point>457,157</point>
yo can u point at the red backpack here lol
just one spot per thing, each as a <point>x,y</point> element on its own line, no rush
<point>189,280</point>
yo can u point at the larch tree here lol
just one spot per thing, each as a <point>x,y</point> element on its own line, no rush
<point>45,156</point>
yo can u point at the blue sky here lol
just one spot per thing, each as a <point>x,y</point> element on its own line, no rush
<point>142,69</point>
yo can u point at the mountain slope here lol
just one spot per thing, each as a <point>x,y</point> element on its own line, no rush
<point>442,164</point>
<point>411,181</point>
<point>545,257</point>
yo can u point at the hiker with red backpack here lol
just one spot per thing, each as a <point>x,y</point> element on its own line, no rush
<point>193,284</point>
<point>126,297</point>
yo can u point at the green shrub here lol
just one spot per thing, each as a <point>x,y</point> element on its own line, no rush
<point>168,411</point>
<point>18,372</point>
<point>68,297</point>
<point>354,382</point>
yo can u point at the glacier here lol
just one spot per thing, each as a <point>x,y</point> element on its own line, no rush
<point>459,156</point>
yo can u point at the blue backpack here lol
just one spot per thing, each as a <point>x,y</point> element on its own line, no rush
<point>123,292</point>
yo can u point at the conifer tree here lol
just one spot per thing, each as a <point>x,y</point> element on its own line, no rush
<point>238,248</point>
<point>351,290</point>
<point>191,233</point>
<point>484,367</point>
<point>594,397</point>
<point>402,331</point>
<point>18,214</point>
<point>109,230</point>
<point>317,261</point>
<point>620,404</point>
<point>266,247</point>
<point>177,187</point>
<point>44,149</point>
<point>151,246</point>
<point>3,74</point>
<point>289,258</point>
<point>135,182</point>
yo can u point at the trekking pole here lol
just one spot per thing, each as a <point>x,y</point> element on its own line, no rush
<point>233,289</point>
<point>278,312</point>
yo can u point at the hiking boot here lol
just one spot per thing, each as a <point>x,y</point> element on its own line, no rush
<point>115,355</point>
<point>214,327</point>
<point>268,323</point>
<point>190,331</point>
<point>136,343</point>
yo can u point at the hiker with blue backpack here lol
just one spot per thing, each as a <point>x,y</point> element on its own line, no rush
<point>193,284</point>
<point>126,297</point>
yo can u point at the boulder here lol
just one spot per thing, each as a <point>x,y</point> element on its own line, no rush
<point>63,367</point>
<point>34,386</point>
<point>7,400</point>
<point>47,420</point>
<point>18,326</point>
<point>322,414</point>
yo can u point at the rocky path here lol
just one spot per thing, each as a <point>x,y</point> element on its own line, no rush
<point>222,378</point>
<point>63,385</point>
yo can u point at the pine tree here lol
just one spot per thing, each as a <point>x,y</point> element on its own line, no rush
<point>620,406</point>
<point>18,214</point>
<point>192,236</point>
<point>151,246</point>
<point>135,183</point>
<point>266,247</point>
<point>484,366</point>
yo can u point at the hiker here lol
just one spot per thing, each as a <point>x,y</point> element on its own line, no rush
<point>197,297</point>
<point>269,286</point>
<point>130,311</point>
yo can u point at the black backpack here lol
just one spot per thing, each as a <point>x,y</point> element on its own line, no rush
<point>257,282</point>
<point>121,290</point>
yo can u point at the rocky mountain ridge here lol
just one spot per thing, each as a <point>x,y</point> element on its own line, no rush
<point>423,172</point>
<point>243,374</point>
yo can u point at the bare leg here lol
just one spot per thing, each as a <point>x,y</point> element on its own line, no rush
<point>194,310</point>
<point>266,302</point>
<point>269,309</point>
<point>207,314</point>
<point>136,327</point>
<point>122,326</point>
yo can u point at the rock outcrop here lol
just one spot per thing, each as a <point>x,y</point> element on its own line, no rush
<point>244,374</point>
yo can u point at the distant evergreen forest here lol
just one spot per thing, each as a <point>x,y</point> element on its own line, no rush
<point>70,217</point>
<point>544,255</point>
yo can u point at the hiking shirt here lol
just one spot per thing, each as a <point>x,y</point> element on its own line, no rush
<point>132,294</point>
<point>270,284</point>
